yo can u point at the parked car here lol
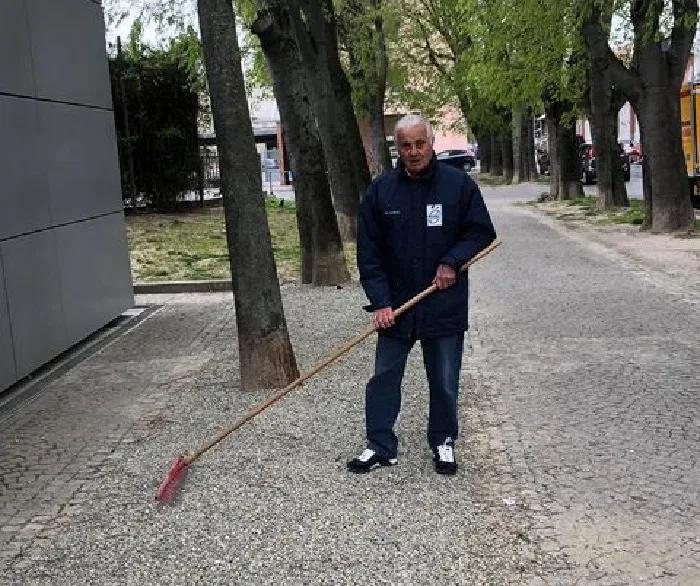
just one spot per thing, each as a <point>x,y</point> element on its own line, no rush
<point>588,163</point>
<point>459,158</point>
<point>633,152</point>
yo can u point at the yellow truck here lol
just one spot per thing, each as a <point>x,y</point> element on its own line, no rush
<point>690,111</point>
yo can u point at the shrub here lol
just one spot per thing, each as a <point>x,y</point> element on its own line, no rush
<point>156,92</point>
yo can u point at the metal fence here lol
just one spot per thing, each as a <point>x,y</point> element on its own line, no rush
<point>211,178</point>
<point>205,184</point>
<point>270,173</point>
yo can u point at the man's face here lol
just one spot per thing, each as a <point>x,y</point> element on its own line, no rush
<point>415,149</point>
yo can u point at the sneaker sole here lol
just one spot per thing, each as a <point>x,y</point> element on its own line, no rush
<point>445,471</point>
<point>390,462</point>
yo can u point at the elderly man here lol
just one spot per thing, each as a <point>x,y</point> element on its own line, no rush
<point>418,224</point>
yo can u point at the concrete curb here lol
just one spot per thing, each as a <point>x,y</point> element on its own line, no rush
<point>212,286</point>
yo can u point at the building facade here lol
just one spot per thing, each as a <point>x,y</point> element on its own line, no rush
<point>64,265</point>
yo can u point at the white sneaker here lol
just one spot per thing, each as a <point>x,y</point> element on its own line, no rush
<point>369,460</point>
<point>445,458</point>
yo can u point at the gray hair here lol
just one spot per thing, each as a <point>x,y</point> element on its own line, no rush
<point>411,120</point>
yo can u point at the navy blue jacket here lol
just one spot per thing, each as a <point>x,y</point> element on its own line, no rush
<point>406,228</point>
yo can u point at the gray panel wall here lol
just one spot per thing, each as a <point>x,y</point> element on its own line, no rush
<point>24,195</point>
<point>32,282</point>
<point>15,50</point>
<point>96,249</point>
<point>8,374</point>
<point>80,158</point>
<point>68,48</point>
<point>64,266</point>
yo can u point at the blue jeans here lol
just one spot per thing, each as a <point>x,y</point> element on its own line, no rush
<point>442,358</point>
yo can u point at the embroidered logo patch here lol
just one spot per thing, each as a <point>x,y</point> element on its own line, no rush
<point>434,214</point>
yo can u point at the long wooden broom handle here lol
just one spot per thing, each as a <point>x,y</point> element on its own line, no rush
<point>277,395</point>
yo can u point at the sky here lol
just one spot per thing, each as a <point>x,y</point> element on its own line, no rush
<point>152,34</point>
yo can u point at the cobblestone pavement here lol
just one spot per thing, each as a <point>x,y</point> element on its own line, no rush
<point>592,364</point>
<point>578,461</point>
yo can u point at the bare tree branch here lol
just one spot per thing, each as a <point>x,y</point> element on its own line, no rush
<point>433,56</point>
<point>645,16</point>
<point>597,42</point>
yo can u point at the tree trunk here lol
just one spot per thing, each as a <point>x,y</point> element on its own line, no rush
<point>646,189</point>
<point>524,147</point>
<point>551,121</point>
<point>611,182</point>
<point>565,161</point>
<point>569,162</point>
<point>305,221</point>
<point>496,156</point>
<point>329,90</point>
<point>531,159</point>
<point>266,355</point>
<point>484,141</point>
<point>318,228</point>
<point>605,103</point>
<point>660,119</point>
<point>380,158</point>
<point>507,150</point>
<point>517,144</point>
<point>619,188</point>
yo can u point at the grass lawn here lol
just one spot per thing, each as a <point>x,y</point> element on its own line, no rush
<point>488,179</point>
<point>584,208</point>
<point>634,214</point>
<point>191,245</point>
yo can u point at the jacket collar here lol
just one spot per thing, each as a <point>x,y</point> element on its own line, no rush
<point>426,175</point>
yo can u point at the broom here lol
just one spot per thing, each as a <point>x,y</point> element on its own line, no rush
<point>179,465</point>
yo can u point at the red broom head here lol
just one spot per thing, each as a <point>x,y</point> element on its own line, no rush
<point>172,479</point>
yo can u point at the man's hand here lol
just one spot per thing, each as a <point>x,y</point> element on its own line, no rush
<point>445,277</point>
<point>383,318</point>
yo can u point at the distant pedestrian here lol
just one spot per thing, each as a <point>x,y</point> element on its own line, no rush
<point>418,224</point>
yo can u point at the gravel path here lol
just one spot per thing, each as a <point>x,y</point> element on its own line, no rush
<point>274,504</point>
<point>578,461</point>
